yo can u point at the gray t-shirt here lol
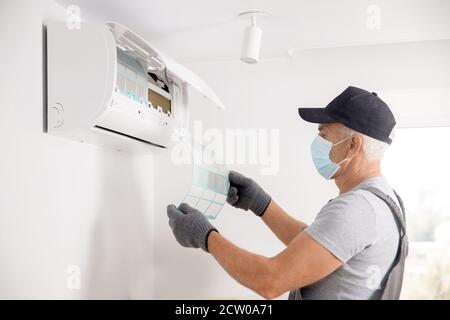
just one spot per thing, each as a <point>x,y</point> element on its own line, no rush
<point>359,229</point>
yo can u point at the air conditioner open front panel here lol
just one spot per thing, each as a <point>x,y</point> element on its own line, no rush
<point>191,79</point>
<point>147,52</point>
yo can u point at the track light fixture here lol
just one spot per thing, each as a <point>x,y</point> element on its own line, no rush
<point>252,37</point>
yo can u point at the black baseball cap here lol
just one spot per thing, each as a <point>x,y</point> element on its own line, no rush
<point>357,109</point>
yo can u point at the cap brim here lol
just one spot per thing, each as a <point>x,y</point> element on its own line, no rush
<point>315,115</point>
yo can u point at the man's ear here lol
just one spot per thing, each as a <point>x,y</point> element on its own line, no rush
<point>355,145</point>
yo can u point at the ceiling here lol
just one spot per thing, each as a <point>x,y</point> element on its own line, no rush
<point>207,30</point>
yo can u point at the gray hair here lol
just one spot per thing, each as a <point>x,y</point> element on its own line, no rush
<point>373,149</point>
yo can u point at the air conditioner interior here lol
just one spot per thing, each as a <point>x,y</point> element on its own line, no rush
<point>151,88</point>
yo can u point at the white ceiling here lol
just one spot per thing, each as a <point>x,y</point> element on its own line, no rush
<point>207,30</point>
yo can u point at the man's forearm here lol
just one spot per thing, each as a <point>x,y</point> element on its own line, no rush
<point>282,225</point>
<point>254,271</point>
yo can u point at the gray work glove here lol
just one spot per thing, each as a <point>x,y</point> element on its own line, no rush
<point>244,193</point>
<point>190,227</point>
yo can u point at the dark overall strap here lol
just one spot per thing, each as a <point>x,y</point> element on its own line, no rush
<point>396,211</point>
<point>402,206</point>
<point>392,282</point>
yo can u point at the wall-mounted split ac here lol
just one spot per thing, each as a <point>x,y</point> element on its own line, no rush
<point>107,86</point>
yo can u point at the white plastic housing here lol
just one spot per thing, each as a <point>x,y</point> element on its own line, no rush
<point>87,103</point>
<point>251,44</point>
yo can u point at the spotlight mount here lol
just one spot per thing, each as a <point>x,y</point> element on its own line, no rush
<point>252,37</point>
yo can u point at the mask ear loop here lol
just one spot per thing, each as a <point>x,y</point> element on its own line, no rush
<point>342,161</point>
<point>342,140</point>
<point>338,166</point>
<point>339,143</point>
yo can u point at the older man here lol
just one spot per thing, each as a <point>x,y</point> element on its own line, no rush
<point>353,246</point>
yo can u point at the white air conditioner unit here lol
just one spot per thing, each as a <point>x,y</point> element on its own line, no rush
<point>107,86</point>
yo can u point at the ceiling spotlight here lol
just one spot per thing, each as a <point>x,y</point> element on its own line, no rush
<point>252,37</point>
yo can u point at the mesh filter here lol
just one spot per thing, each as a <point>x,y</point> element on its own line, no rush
<point>208,192</point>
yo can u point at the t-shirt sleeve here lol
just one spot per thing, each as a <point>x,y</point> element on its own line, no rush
<point>345,226</point>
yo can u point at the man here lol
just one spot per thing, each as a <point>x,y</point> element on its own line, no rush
<point>351,246</point>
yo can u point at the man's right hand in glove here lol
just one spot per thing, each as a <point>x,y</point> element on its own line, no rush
<point>244,193</point>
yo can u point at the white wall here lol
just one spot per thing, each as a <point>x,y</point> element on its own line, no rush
<point>267,96</point>
<point>63,203</point>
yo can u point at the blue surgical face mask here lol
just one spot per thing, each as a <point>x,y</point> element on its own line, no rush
<point>320,151</point>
